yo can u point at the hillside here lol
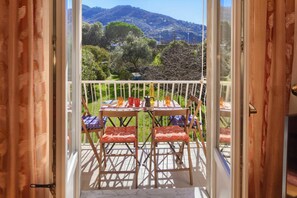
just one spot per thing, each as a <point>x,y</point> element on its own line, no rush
<point>157,26</point>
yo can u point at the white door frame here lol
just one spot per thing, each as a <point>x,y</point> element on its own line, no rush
<point>245,136</point>
<point>67,169</point>
<point>239,98</point>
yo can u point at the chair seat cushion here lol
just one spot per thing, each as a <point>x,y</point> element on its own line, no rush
<point>226,131</point>
<point>93,122</point>
<point>119,134</point>
<point>225,138</point>
<point>180,120</point>
<point>171,133</point>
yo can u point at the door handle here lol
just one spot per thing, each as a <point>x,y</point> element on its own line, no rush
<point>51,187</point>
<point>294,90</point>
<point>252,109</point>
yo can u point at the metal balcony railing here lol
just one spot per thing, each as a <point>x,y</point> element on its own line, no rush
<point>96,92</point>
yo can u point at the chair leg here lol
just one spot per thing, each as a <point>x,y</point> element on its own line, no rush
<point>190,163</point>
<point>104,157</point>
<point>180,153</point>
<point>195,137</point>
<point>155,165</point>
<point>92,145</point>
<point>100,165</point>
<point>151,159</point>
<point>97,135</point>
<point>136,163</point>
<point>202,141</point>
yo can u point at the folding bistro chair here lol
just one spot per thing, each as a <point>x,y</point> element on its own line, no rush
<point>91,124</point>
<point>193,123</point>
<point>124,133</point>
<point>170,134</point>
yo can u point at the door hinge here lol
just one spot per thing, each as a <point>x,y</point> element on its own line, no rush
<point>252,109</point>
<point>51,187</point>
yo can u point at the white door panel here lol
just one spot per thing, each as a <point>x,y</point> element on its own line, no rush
<point>222,178</point>
<point>226,81</point>
<point>68,98</point>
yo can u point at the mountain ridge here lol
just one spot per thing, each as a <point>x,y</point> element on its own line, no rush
<point>158,26</point>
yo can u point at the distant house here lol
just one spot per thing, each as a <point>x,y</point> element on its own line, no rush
<point>136,76</point>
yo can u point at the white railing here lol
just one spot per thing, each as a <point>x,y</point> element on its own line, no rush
<point>106,90</point>
<point>95,92</point>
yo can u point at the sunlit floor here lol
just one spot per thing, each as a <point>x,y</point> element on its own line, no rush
<point>168,181</point>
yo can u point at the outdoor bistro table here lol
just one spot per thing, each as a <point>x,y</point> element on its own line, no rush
<point>111,105</point>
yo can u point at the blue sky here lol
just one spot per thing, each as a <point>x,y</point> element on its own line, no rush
<point>187,10</point>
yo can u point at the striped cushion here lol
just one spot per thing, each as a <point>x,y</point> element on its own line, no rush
<point>226,131</point>
<point>92,122</point>
<point>225,135</point>
<point>171,133</point>
<point>225,139</point>
<point>180,120</point>
<point>119,134</point>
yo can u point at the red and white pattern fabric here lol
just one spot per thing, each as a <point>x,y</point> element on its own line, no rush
<point>171,133</point>
<point>119,135</point>
<point>225,135</point>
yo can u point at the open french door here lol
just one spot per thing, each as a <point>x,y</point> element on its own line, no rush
<point>226,83</point>
<point>67,22</point>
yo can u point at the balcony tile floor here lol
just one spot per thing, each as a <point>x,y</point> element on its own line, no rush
<point>171,184</point>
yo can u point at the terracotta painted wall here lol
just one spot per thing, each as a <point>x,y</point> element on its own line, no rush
<point>271,41</point>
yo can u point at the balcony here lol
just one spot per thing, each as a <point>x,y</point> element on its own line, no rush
<point>96,92</point>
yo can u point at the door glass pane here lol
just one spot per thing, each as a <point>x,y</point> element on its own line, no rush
<point>224,77</point>
<point>69,77</point>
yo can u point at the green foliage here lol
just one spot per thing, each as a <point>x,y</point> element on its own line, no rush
<point>88,65</point>
<point>178,58</point>
<point>100,54</point>
<point>92,34</point>
<point>136,50</point>
<point>116,32</point>
<point>225,50</point>
<point>173,46</point>
<point>92,68</point>
<point>101,57</point>
<point>124,75</point>
<point>85,32</point>
<point>152,43</point>
<point>116,60</point>
<point>157,60</point>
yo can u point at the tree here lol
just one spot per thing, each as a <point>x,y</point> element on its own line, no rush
<point>116,60</point>
<point>101,57</point>
<point>90,69</point>
<point>152,43</point>
<point>225,50</point>
<point>85,33</point>
<point>179,61</point>
<point>116,32</point>
<point>157,60</point>
<point>92,34</point>
<point>136,50</point>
